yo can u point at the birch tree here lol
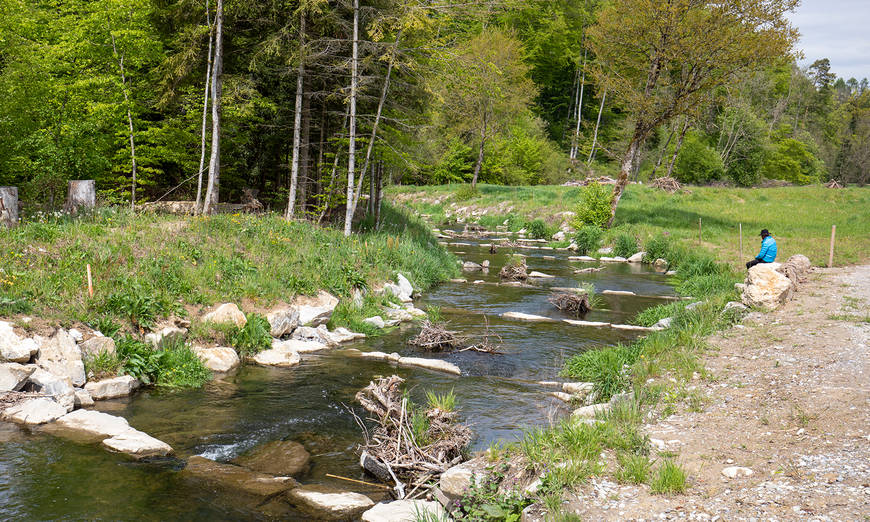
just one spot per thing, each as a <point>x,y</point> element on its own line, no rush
<point>198,205</point>
<point>212,192</point>
<point>351,150</point>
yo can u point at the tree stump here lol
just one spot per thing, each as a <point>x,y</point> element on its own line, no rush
<point>82,193</point>
<point>9,206</point>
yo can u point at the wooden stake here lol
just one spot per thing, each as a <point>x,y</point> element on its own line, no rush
<point>90,283</point>
<point>330,475</point>
<point>699,231</point>
<point>831,254</point>
<point>740,260</point>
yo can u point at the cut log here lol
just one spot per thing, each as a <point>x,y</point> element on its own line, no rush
<point>9,206</point>
<point>82,194</point>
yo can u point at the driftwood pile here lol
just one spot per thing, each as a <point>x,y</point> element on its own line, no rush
<point>435,337</point>
<point>572,303</point>
<point>666,183</point>
<point>397,452</point>
<point>515,270</point>
<point>602,180</point>
<point>834,184</point>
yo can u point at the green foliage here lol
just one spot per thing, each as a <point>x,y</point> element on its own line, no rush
<point>609,368</point>
<point>9,306</point>
<point>587,238</point>
<point>793,161</point>
<point>419,426</point>
<point>252,338</point>
<point>538,229</point>
<point>140,360</point>
<point>434,313</point>
<point>625,245</point>
<point>745,138</point>
<point>102,365</point>
<point>106,326</point>
<point>657,247</point>
<point>697,162</point>
<point>594,207</point>
<point>654,314</point>
<point>180,367</point>
<point>633,468</point>
<point>444,402</point>
<point>455,164</point>
<point>483,502</point>
<point>464,193</point>
<point>669,478</point>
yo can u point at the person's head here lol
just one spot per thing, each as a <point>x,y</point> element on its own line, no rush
<point>764,233</point>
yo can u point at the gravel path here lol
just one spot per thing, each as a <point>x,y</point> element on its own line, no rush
<point>788,398</point>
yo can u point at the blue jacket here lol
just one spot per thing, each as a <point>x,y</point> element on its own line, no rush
<point>768,250</point>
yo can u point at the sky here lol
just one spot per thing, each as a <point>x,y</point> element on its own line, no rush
<point>836,29</point>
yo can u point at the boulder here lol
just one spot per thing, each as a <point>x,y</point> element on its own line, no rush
<point>283,322</point>
<point>14,348</point>
<point>314,311</point>
<point>34,411</point>
<point>375,321</point>
<point>399,315</point>
<point>637,258</point>
<point>60,355</point>
<point>404,285</point>
<point>800,262</point>
<point>236,478</point>
<point>227,313</point>
<point>405,511</point>
<point>540,275</point>
<point>471,266</point>
<point>660,264</point>
<point>343,335</point>
<point>795,268</point>
<point>112,388</point>
<point>591,411</point>
<point>98,344</point>
<point>430,364</point>
<point>396,290</point>
<point>278,357</point>
<point>91,424</point>
<point>298,345</point>
<point>13,376</point>
<point>559,236</point>
<point>83,399</point>
<point>137,444</point>
<point>169,336</point>
<point>455,481</point>
<point>766,287</point>
<point>279,457</point>
<point>578,388</point>
<point>329,504</point>
<point>59,388</point>
<point>220,359</point>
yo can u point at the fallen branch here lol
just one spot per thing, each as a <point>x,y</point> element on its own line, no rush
<point>573,303</point>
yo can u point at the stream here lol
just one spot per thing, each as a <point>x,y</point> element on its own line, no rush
<point>43,477</point>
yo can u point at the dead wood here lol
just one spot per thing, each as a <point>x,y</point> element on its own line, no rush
<point>833,184</point>
<point>573,303</point>
<point>515,270</point>
<point>666,183</point>
<point>435,337</point>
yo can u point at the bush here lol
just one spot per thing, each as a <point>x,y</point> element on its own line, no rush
<point>140,359</point>
<point>594,207</point>
<point>180,367</point>
<point>657,247</point>
<point>793,161</point>
<point>464,193</point>
<point>698,163</point>
<point>538,229</point>
<point>254,337</point>
<point>102,365</point>
<point>625,246</point>
<point>588,238</point>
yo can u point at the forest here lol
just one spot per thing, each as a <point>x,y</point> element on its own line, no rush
<point>305,104</point>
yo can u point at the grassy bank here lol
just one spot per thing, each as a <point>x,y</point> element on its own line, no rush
<point>147,268</point>
<point>799,217</point>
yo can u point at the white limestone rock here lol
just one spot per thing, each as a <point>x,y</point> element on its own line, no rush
<point>227,313</point>
<point>83,399</point>
<point>591,411</point>
<point>221,359</point>
<point>329,504</point>
<point>540,275</point>
<point>430,364</point>
<point>637,258</point>
<point>98,344</point>
<point>315,311</point>
<point>13,376</point>
<point>57,387</point>
<point>733,472</point>
<point>766,287</point>
<point>298,345</point>
<point>14,348</point>
<point>34,411</point>
<point>113,388</point>
<point>520,316</point>
<point>283,322</point>
<point>60,355</point>
<point>137,444</point>
<point>280,358</point>
<point>456,480</point>
<point>92,424</point>
<point>375,321</point>
<point>405,511</point>
<point>169,336</point>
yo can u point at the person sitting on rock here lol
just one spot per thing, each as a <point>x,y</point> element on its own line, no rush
<point>768,250</point>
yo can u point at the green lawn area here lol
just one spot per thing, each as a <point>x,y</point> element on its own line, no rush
<point>800,218</point>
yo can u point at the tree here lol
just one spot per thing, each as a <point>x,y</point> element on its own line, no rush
<point>214,166</point>
<point>661,59</point>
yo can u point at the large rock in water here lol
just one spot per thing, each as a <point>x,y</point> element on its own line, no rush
<point>34,411</point>
<point>14,375</point>
<point>405,511</point>
<point>227,313</point>
<point>220,360</point>
<point>283,322</point>
<point>236,478</point>
<point>58,388</point>
<point>278,357</point>
<point>112,388</point>
<point>14,348</point>
<point>114,432</point>
<point>315,311</point>
<point>279,457</point>
<point>329,504</point>
<point>766,287</point>
<point>60,355</point>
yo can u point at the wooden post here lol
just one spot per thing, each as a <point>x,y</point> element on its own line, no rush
<point>90,282</point>
<point>82,193</point>
<point>831,254</point>
<point>699,231</point>
<point>740,260</point>
<point>9,206</point>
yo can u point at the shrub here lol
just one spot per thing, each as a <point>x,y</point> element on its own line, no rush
<point>698,163</point>
<point>464,193</point>
<point>538,229</point>
<point>625,246</point>
<point>180,367</point>
<point>594,207</point>
<point>254,337</point>
<point>587,239</point>
<point>657,247</point>
<point>793,161</point>
<point>140,359</point>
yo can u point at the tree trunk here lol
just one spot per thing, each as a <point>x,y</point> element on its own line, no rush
<point>377,121</point>
<point>212,193</point>
<point>9,206</point>
<point>597,124</point>
<point>304,153</point>
<point>662,155</point>
<point>479,164</point>
<point>379,191</point>
<point>297,125</point>
<point>351,150</point>
<point>333,173</point>
<point>120,59</point>
<point>576,139</point>
<point>81,193</point>
<point>678,147</point>
<point>198,207</point>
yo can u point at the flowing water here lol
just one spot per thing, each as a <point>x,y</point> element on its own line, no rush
<point>44,477</point>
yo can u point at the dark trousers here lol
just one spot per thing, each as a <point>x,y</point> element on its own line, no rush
<point>753,263</point>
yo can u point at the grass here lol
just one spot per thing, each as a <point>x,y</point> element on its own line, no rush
<point>102,365</point>
<point>445,402</point>
<point>800,218</point>
<point>252,338</point>
<point>669,478</point>
<point>146,267</point>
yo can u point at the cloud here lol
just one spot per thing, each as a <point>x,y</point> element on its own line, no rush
<point>835,29</point>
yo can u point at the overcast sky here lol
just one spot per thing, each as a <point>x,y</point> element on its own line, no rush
<point>836,29</point>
